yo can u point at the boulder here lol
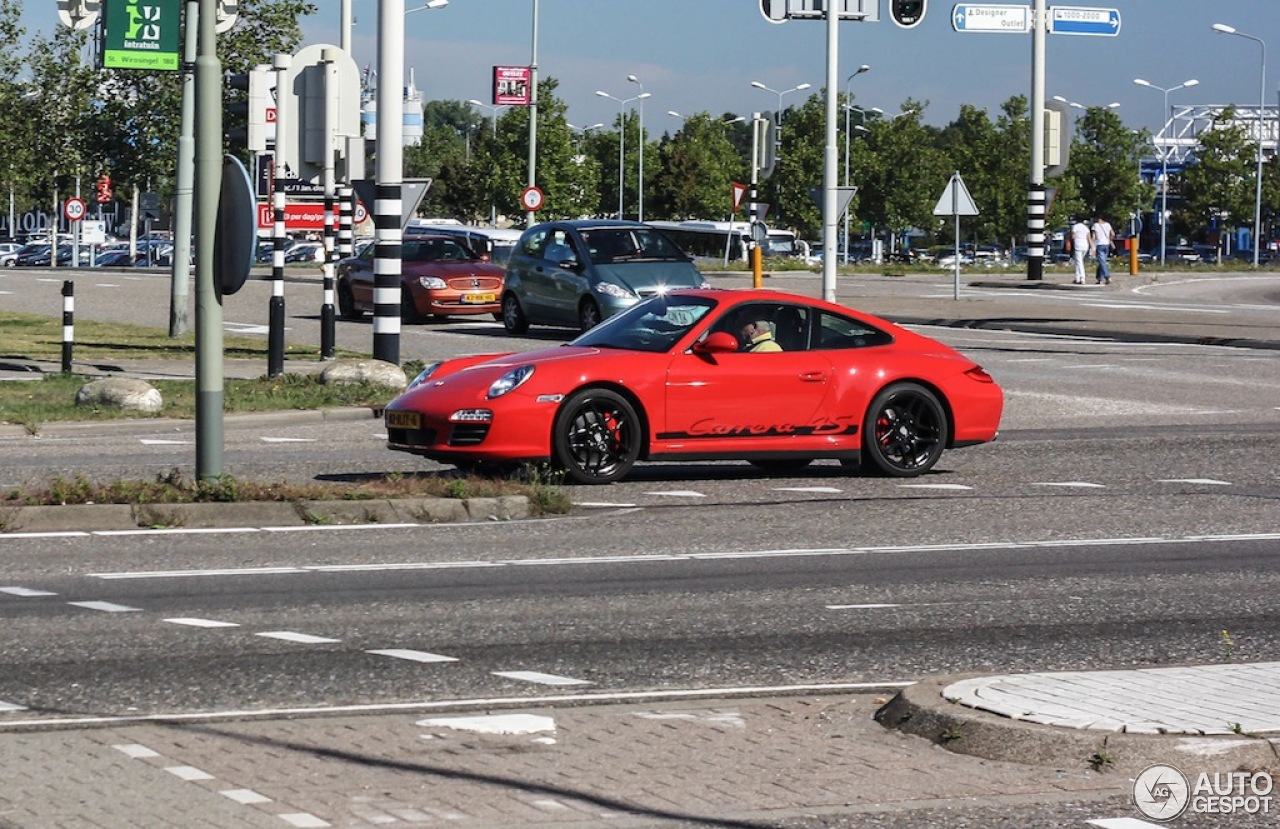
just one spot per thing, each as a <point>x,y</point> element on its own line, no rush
<point>376,372</point>
<point>120,393</point>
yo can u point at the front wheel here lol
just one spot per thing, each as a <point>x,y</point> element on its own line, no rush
<point>905,430</point>
<point>408,309</point>
<point>588,315</point>
<point>596,437</point>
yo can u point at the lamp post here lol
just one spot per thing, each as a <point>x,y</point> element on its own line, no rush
<point>799,88</point>
<point>1074,105</point>
<point>493,114</point>
<point>1223,28</point>
<point>848,106</point>
<point>1164,156</point>
<point>640,194</point>
<point>622,135</point>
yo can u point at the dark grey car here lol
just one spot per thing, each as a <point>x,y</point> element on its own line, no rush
<point>577,273</point>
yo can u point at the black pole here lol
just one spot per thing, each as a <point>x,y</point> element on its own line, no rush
<point>275,311</point>
<point>68,323</point>
<point>327,334</point>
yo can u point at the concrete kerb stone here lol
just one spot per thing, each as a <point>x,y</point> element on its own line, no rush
<point>923,711</point>
<point>108,517</point>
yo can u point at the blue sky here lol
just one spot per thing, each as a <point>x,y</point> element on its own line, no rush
<point>695,55</point>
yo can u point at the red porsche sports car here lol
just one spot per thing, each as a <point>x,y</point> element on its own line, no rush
<point>670,380</point>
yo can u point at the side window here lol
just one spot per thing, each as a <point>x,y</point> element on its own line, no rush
<point>531,243</point>
<point>836,332</point>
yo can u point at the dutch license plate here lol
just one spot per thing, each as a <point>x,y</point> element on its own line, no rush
<point>479,299</point>
<point>396,419</point>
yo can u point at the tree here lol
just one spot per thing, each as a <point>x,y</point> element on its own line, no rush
<point>1218,185</point>
<point>695,171</point>
<point>994,158</point>
<point>899,171</point>
<point>1106,158</point>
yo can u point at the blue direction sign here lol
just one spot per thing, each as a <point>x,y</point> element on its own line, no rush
<point>970,17</point>
<point>1076,20</point>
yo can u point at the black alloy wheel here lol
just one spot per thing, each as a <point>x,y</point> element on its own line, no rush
<point>905,430</point>
<point>596,437</point>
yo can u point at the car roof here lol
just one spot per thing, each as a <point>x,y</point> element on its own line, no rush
<point>595,224</point>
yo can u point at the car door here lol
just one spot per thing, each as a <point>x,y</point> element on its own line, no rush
<point>359,273</point>
<point>744,402</point>
<point>527,276</point>
<point>563,287</point>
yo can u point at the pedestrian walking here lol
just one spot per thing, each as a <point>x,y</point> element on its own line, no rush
<point>1103,236</point>
<point>1081,246</point>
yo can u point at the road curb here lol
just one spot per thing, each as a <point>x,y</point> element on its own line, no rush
<point>253,514</point>
<point>923,711</point>
<point>151,425</point>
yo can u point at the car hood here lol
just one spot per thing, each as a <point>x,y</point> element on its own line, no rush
<point>472,376</point>
<point>647,277</point>
<point>449,270</point>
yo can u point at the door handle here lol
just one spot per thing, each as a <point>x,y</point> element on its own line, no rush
<point>813,376</point>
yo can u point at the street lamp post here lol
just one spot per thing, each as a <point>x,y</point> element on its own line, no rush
<point>848,105</point>
<point>622,135</point>
<point>1164,157</point>
<point>640,195</point>
<point>493,113</point>
<point>1223,28</point>
<point>799,88</point>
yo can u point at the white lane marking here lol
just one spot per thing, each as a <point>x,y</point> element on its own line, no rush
<point>860,606</point>
<point>243,328</point>
<point>201,623</point>
<point>541,678</point>
<point>1205,481</point>
<point>600,505</point>
<point>1077,484</point>
<point>678,493</point>
<point>479,704</point>
<point>63,534</point>
<point>494,723</point>
<point>1122,823</point>
<point>245,796</point>
<point>1140,307</point>
<point>730,718</point>
<point>300,638</point>
<point>136,750</point>
<point>177,531</point>
<point>162,442</point>
<point>688,557</point>
<point>189,773</point>
<point>822,489</point>
<point>951,487</point>
<point>287,440</point>
<point>105,285</point>
<point>11,706</point>
<point>304,820</point>
<point>412,655</point>
<point>106,607</point>
<point>330,527</point>
<point>25,592</point>
<point>1034,360</point>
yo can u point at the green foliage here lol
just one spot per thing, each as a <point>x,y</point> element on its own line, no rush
<point>695,170</point>
<point>1105,159</point>
<point>1221,183</point>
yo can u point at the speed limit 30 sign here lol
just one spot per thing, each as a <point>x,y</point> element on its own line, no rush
<point>74,209</point>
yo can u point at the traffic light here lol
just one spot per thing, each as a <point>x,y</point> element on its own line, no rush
<point>102,189</point>
<point>907,13</point>
<point>245,119</point>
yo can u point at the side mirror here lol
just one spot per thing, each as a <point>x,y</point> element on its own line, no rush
<point>719,342</point>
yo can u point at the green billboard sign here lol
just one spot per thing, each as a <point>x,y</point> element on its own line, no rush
<point>143,34</point>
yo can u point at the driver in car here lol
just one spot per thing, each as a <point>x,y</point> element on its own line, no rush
<point>756,335</point>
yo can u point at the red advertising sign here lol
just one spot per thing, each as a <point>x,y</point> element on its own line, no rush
<point>511,86</point>
<point>303,215</point>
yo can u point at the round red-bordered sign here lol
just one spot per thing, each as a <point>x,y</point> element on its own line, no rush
<point>531,198</point>
<point>74,209</point>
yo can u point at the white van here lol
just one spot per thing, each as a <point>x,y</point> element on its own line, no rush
<point>494,242</point>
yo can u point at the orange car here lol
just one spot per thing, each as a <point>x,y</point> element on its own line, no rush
<point>439,277</point>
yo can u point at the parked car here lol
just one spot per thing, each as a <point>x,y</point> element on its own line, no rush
<point>439,277</point>
<point>493,243</point>
<point>304,252</point>
<point>1178,254</point>
<point>667,380</point>
<point>577,273</point>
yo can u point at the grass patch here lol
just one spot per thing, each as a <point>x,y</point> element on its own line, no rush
<point>32,402</point>
<point>176,487</point>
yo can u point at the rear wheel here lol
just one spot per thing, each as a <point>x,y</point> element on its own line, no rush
<point>513,318</point>
<point>347,302</point>
<point>596,437</point>
<point>588,315</point>
<point>905,431</point>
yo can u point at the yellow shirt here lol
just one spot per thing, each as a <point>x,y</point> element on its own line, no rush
<point>763,342</point>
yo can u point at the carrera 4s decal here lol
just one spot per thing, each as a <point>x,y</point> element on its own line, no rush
<point>711,428</point>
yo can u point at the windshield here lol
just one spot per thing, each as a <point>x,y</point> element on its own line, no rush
<point>620,244</point>
<point>655,325</point>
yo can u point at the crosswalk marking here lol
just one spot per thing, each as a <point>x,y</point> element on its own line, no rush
<point>106,607</point>
<point>301,638</point>
<point>11,706</point>
<point>25,592</point>
<point>412,655</point>
<point>541,678</point>
<point>201,623</point>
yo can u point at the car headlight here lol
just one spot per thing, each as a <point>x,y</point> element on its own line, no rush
<point>510,381</point>
<point>610,289</point>
<point>423,376</point>
<point>432,283</point>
